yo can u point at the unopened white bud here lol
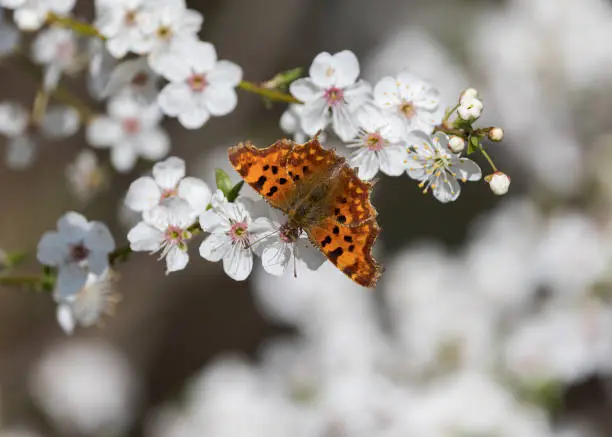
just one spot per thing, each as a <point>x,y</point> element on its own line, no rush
<point>468,94</point>
<point>498,182</point>
<point>456,144</point>
<point>496,134</point>
<point>470,109</point>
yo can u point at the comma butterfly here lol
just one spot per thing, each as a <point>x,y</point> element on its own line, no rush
<point>321,195</point>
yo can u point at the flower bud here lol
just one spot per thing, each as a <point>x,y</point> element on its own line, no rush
<point>456,144</point>
<point>498,182</point>
<point>468,94</point>
<point>496,134</point>
<point>470,109</point>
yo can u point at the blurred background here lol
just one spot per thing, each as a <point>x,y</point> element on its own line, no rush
<point>493,317</point>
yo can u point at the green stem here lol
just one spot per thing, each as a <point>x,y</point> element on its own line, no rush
<point>78,26</point>
<point>486,155</point>
<point>33,283</point>
<point>274,95</point>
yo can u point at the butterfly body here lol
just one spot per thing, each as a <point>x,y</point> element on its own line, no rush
<point>319,194</point>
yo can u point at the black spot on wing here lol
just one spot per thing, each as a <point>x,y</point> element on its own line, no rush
<point>335,254</point>
<point>273,190</point>
<point>260,182</point>
<point>327,240</point>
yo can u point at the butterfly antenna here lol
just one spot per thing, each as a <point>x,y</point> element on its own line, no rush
<point>295,260</point>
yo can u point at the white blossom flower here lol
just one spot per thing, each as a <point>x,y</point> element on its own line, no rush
<point>166,228</point>
<point>499,183</point>
<point>24,135</point>
<point>134,77</point>
<point>470,109</point>
<point>496,134</point>
<point>77,248</point>
<point>411,99</point>
<point>168,27</point>
<point>9,36</point>
<point>168,181</point>
<point>232,234</point>
<point>85,176</point>
<point>120,21</point>
<point>456,144</point>
<point>55,48</point>
<point>131,129</point>
<point>331,93</point>
<point>281,246</point>
<point>291,122</point>
<point>31,14</point>
<point>381,145</point>
<point>438,169</point>
<point>96,298</point>
<point>200,86</point>
<point>467,94</point>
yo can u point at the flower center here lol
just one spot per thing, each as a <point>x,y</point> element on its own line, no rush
<point>130,18</point>
<point>197,82</point>
<point>333,96</point>
<point>407,109</point>
<point>374,141</point>
<point>140,79</point>
<point>131,125</point>
<point>239,233</point>
<point>78,252</point>
<point>170,192</point>
<point>175,235</point>
<point>164,32</point>
<point>65,50</point>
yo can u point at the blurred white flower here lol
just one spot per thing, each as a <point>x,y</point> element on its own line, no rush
<point>470,109</point>
<point>165,227</point>
<point>120,21</point>
<point>31,14</point>
<point>496,134</point>
<point>131,129</point>
<point>59,122</point>
<point>381,145</point>
<point>101,65</point>
<point>571,255</point>
<point>86,388</point>
<point>169,26</point>
<point>433,164</point>
<point>85,176</point>
<point>232,233</point>
<point>56,49</point>
<point>331,93</point>
<point>9,36</point>
<point>291,122</point>
<point>77,248</point>
<point>200,85</point>
<point>564,343</point>
<point>134,77</point>
<point>168,181</point>
<point>86,308</point>
<point>413,101</point>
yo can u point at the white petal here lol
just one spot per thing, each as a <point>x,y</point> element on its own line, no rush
<point>103,132</point>
<point>196,192</point>
<point>52,249</point>
<point>344,123</point>
<point>60,122</point>
<point>14,119</point>
<point>97,262</point>
<point>386,93</point>
<point>466,169</point>
<point>99,238</point>
<point>322,71</point>
<point>175,98</point>
<point>168,173</point>
<point>194,117</point>
<point>20,152</point>
<point>176,259</point>
<point>347,68</point>
<point>290,122</point>
<point>275,257</point>
<point>220,100</point>
<point>65,318</point>
<point>447,189</point>
<point>153,144</point>
<point>123,157</point>
<point>144,237</point>
<point>215,247</point>
<point>210,221</point>
<point>202,56</point>
<point>70,279</point>
<point>73,226</point>
<point>358,94</point>
<point>315,116</point>
<point>143,194</point>
<point>305,90</point>
<point>393,160</point>
<point>180,213</point>
<point>238,263</point>
<point>225,73</point>
<point>62,6</point>
<point>367,162</point>
<point>29,18</point>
